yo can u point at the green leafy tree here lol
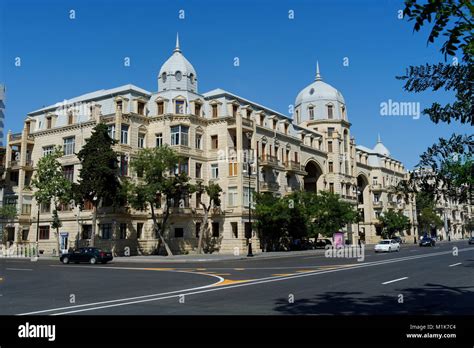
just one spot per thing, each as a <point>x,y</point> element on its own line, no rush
<point>394,221</point>
<point>8,213</point>
<point>213,191</point>
<point>330,214</point>
<point>426,212</point>
<point>51,186</point>
<point>158,181</point>
<point>98,177</point>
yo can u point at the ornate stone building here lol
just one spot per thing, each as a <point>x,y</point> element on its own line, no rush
<point>212,132</point>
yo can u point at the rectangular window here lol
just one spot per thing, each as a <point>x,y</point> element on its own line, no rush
<point>141,140</point>
<point>374,180</point>
<point>44,232</point>
<point>331,167</point>
<point>197,229</point>
<point>45,207</point>
<point>198,170</point>
<point>232,193</point>
<point>123,165</point>
<point>123,231</point>
<point>24,234</point>
<point>214,171</point>
<point>26,209</point>
<point>140,108</point>
<point>119,105</point>
<point>235,229</point>
<point>329,146</point>
<point>330,131</point>
<point>214,142</point>
<point>159,140</point>
<point>235,108</point>
<point>330,114</point>
<point>180,107</point>
<point>105,231</point>
<point>48,150</point>
<point>179,135</point>
<point>198,141</point>
<point>311,113</point>
<point>49,121</point>
<point>161,108</point>
<point>198,199</point>
<point>215,229</point>
<point>197,109</point>
<point>214,111</point>
<point>184,166</point>
<point>68,172</point>
<point>139,230</point>
<point>124,134</point>
<point>70,118</point>
<point>179,232</point>
<point>111,130</point>
<point>246,196</point>
<point>69,146</point>
<point>331,187</point>
<point>233,168</point>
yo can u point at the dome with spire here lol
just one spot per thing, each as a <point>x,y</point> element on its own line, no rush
<point>177,73</point>
<point>380,148</point>
<point>313,101</point>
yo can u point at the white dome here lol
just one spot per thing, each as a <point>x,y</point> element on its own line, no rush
<point>177,72</point>
<point>319,101</point>
<point>319,90</point>
<point>381,149</point>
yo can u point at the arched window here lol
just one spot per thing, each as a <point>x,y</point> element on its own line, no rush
<point>163,77</point>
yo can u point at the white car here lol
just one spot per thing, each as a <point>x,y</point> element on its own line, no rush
<point>387,245</point>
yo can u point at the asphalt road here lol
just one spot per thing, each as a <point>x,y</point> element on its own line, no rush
<point>413,281</point>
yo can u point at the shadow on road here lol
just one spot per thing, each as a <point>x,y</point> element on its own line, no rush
<point>434,299</point>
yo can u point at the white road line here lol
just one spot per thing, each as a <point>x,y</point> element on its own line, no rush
<point>18,269</point>
<point>255,282</point>
<point>133,298</point>
<point>395,280</point>
<point>225,287</point>
<point>455,264</point>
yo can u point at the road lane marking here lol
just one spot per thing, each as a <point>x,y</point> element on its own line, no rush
<point>213,287</point>
<point>455,264</point>
<point>18,269</point>
<point>179,292</point>
<point>262,281</point>
<point>395,280</point>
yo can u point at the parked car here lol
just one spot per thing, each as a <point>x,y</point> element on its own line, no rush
<point>398,239</point>
<point>471,240</point>
<point>90,255</point>
<point>321,243</point>
<point>427,241</point>
<point>387,245</point>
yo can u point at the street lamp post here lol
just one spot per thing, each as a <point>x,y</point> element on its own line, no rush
<point>249,163</point>
<point>37,230</point>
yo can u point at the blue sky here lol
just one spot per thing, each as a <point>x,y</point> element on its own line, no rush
<point>62,58</point>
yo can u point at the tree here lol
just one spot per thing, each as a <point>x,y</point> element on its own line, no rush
<point>453,19</point>
<point>8,212</point>
<point>426,212</point>
<point>51,185</point>
<point>157,179</point>
<point>394,221</point>
<point>329,214</point>
<point>213,191</point>
<point>438,171</point>
<point>98,177</point>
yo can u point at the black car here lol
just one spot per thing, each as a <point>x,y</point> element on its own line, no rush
<point>90,255</point>
<point>427,241</point>
<point>471,240</point>
<point>398,240</point>
<point>321,243</point>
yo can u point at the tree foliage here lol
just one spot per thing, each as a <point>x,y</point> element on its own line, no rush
<point>158,180</point>
<point>452,19</point>
<point>98,177</point>
<point>394,221</point>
